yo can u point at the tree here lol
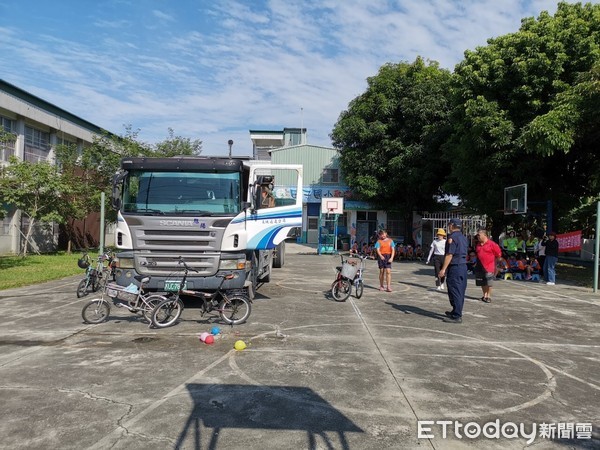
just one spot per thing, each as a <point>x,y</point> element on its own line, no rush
<point>389,138</point>
<point>526,112</point>
<point>34,188</point>
<point>177,145</point>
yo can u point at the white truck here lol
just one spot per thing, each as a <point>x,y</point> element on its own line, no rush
<point>219,214</point>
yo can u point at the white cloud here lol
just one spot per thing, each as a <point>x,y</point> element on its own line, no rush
<point>230,67</point>
<point>163,15</point>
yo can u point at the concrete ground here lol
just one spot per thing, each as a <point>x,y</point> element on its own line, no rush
<point>317,374</point>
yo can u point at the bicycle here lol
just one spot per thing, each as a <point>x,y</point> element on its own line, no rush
<point>97,310</point>
<point>233,306</point>
<point>92,278</point>
<point>348,274</point>
<point>95,275</point>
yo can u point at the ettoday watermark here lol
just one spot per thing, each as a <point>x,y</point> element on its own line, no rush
<point>431,429</point>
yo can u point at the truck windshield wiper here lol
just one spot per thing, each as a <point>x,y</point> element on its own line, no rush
<point>150,211</point>
<point>200,212</point>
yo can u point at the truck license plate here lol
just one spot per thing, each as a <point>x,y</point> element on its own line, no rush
<point>173,286</point>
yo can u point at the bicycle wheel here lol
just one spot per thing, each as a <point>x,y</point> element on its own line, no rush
<point>82,288</point>
<point>235,309</point>
<point>341,289</point>
<point>167,312</point>
<point>149,304</point>
<point>359,288</point>
<point>95,311</point>
<point>95,282</point>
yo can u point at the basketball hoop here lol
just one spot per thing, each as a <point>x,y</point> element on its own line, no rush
<point>515,199</point>
<point>332,205</point>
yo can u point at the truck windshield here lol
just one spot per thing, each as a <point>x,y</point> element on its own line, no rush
<point>181,193</point>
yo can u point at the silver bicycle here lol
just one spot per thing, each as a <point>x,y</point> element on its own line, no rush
<point>98,310</point>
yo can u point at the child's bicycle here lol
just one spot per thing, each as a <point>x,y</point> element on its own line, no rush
<point>349,274</point>
<point>234,305</point>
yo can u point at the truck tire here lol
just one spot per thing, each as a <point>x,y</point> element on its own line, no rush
<point>279,255</point>
<point>267,278</point>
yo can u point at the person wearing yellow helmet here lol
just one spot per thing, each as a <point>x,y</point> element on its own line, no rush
<point>436,253</point>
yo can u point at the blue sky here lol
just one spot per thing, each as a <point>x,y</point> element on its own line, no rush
<point>212,70</point>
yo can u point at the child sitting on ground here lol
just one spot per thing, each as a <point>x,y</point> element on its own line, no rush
<point>471,261</point>
<point>419,252</point>
<point>501,267</point>
<point>533,268</point>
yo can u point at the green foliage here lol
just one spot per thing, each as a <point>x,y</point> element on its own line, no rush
<point>389,138</point>
<point>526,111</point>
<point>176,146</point>
<point>522,109</point>
<point>36,189</point>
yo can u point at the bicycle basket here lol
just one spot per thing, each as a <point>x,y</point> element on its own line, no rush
<point>83,263</point>
<point>116,291</point>
<point>349,270</point>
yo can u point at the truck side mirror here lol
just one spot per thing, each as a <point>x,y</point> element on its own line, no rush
<point>116,189</point>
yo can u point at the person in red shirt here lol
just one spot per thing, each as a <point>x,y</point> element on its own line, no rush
<point>487,253</point>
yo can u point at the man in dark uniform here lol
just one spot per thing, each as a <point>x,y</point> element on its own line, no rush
<point>455,270</point>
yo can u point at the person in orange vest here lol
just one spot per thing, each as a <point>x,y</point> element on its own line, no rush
<point>534,267</point>
<point>385,249</point>
<point>501,266</point>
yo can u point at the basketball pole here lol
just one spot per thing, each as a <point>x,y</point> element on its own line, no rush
<point>597,247</point>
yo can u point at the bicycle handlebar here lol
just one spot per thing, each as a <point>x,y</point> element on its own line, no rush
<point>188,268</point>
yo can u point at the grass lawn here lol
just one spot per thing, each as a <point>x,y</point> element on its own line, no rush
<point>16,271</point>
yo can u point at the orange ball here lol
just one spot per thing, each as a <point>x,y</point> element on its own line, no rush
<point>210,339</point>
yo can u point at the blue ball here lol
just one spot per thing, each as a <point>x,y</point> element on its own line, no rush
<point>215,330</point>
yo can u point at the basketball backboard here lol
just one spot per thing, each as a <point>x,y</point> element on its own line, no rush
<point>332,205</point>
<point>515,199</point>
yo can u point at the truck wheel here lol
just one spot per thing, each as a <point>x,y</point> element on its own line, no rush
<point>267,278</point>
<point>279,255</point>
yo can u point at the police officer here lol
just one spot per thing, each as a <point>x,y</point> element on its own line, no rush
<point>455,270</point>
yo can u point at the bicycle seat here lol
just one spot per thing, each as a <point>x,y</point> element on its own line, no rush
<point>142,278</point>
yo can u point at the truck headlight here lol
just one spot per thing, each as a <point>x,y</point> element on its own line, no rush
<point>126,263</point>
<point>232,264</point>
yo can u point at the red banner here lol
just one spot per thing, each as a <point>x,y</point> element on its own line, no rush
<point>569,242</point>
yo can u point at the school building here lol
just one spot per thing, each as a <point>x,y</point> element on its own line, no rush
<point>35,127</point>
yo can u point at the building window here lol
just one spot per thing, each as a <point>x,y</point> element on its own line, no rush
<point>396,226</point>
<point>7,146</point>
<point>370,216</point>
<point>330,175</point>
<point>62,141</point>
<point>37,145</point>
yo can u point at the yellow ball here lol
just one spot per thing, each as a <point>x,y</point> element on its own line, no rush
<point>239,345</point>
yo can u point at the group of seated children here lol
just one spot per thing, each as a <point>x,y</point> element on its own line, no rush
<point>363,250</point>
<point>403,251</point>
<point>520,264</point>
<point>406,252</point>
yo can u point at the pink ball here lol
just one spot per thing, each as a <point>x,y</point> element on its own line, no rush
<point>203,336</point>
<point>210,339</point>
